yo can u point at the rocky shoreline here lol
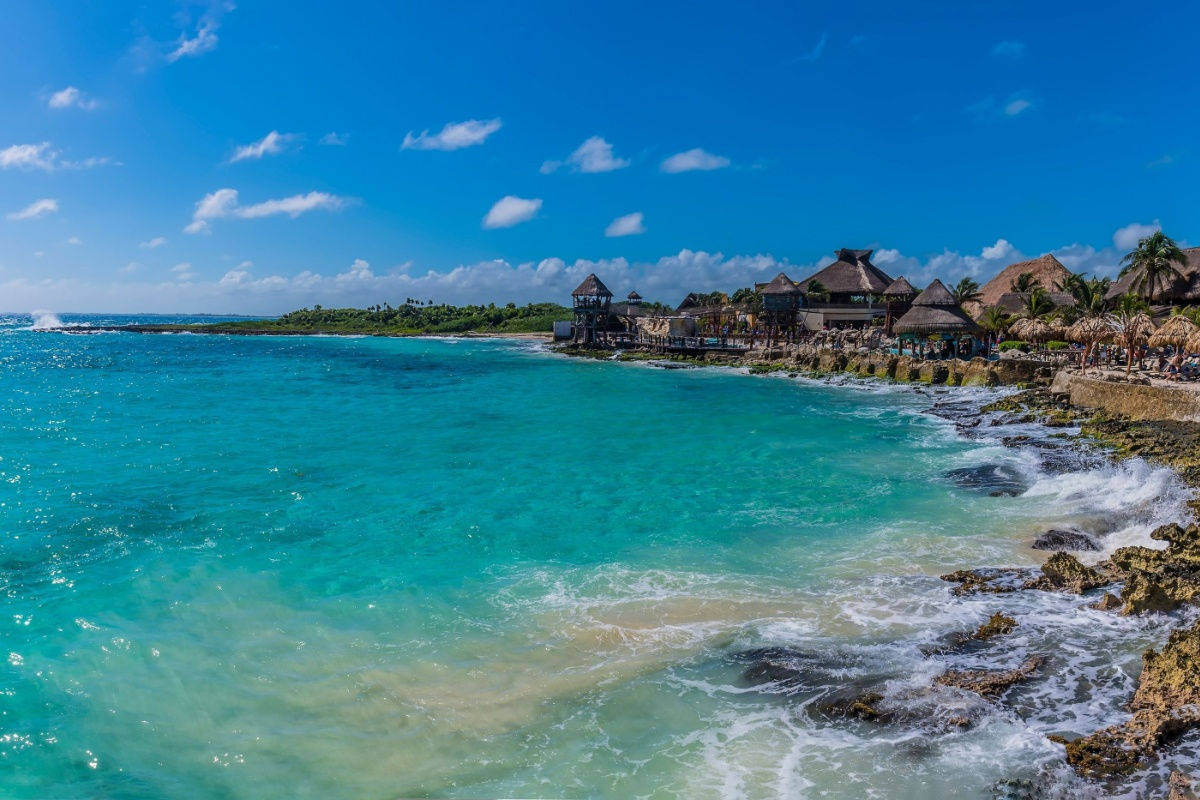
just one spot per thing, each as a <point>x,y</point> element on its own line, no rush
<point>1133,581</point>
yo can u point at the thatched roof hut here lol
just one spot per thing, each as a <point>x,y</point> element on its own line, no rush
<point>1181,290</point>
<point>934,311</point>
<point>900,289</point>
<point>1048,272</point>
<point>782,284</point>
<point>591,287</point>
<point>1175,332</point>
<point>1192,345</point>
<point>852,274</point>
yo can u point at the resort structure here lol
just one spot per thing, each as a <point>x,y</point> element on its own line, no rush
<point>847,293</point>
<point>897,300</point>
<point>936,314</point>
<point>592,302</point>
<point>1012,286</point>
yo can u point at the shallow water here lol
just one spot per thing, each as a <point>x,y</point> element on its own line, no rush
<point>275,567</point>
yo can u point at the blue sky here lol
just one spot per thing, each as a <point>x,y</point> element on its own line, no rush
<point>206,157</point>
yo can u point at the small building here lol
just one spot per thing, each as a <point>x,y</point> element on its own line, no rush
<point>936,316</point>
<point>634,299</point>
<point>854,290</point>
<point>897,298</point>
<point>1180,290</point>
<point>781,302</point>
<point>1045,272</point>
<point>591,301</point>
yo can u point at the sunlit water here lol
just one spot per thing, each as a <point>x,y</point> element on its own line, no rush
<point>309,568</point>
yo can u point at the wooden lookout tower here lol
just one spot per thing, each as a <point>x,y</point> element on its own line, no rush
<point>781,302</point>
<point>592,302</point>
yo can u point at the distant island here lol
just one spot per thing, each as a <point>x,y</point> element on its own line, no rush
<point>413,318</point>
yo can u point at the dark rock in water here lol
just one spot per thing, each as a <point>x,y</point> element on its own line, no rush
<point>989,579</point>
<point>1110,602</point>
<point>990,682</point>
<point>786,670</point>
<point>1063,573</point>
<point>998,480</point>
<point>930,709</point>
<point>997,625</point>
<point>1065,540</point>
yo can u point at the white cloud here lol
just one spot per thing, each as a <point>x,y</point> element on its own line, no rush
<point>454,136</point>
<point>628,225</point>
<point>74,240</point>
<point>815,53</point>
<point>1001,249</point>
<point>1014,107</point>
<point>594,155</point>
<point>511,210</point>
<point>37,208</point>
<point>1128,237</point>
<point>184,267</point>
<point>150,244</point>
<point>1009,49</point>
<point>183,272</point>
<point>271,144</point>
<point>1161,161</point>
<point>204,41</point>
<point>223,203</point>
<point>28,156</point>
<point>41,156</point>
<point>666,279</point>
<point>334,138</point>
<point>132,266</point>
<point>694,159</point>
<point>989,109</point>
<point>71,96</point>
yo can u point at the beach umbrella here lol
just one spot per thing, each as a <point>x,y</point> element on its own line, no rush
<point>1031,330</point>
<point>1175,332</point>
<point>1089,330</point>
<point>1192,345</point>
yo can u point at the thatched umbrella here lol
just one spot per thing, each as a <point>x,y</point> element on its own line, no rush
<point>1032,330</point>
<point>1175,332</point>
<point>1131,329</point>
<point>1192,345</point>
<point>1089,331</point>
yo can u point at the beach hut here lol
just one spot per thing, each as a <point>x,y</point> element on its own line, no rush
<point>854,287</point>
<point>634,299</point>
<point>781,301</point>
<point>592,302</point>
<point>1175,332</point>
<point>1046,272</point>
<point>934,313</point>
<point>898,299</point>
<point>1183,289</point>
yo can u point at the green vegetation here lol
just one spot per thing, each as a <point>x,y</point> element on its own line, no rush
<point>1056,345</point>
<point>1011,344</point>
<point>409,319</point>
<point>1155,263</point>
<point>965,291</point>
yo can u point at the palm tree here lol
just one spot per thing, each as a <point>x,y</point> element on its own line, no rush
<point>817,291</point>
<point>965,291</point>
<point>994,320</point>
<point>1036,304</point>
<point>1025,282</point>
<point>1130,324</point>
<point>1153,263</point>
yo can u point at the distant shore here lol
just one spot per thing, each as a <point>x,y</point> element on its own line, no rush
<point>244,329</point>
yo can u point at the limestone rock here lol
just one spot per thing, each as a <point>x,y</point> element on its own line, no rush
<point>1063,572</point>
<point>1065,540</point>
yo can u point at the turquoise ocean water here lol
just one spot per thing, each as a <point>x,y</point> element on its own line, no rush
<point>247,567</point>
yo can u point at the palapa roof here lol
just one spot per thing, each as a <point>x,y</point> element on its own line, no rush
<point>851,273</point>
<point>591,287</point>
<point>634,296</point>
<point>1185,289</point>
<point>934,311</point>
<point>782,284</point>
<point>1048,273</point>
<point>900,288</point>
<point>1174,332</point>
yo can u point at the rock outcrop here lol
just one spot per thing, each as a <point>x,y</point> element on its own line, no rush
<point>1160,580</point>
<point>990,683</point>
<point>1165,705</point>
